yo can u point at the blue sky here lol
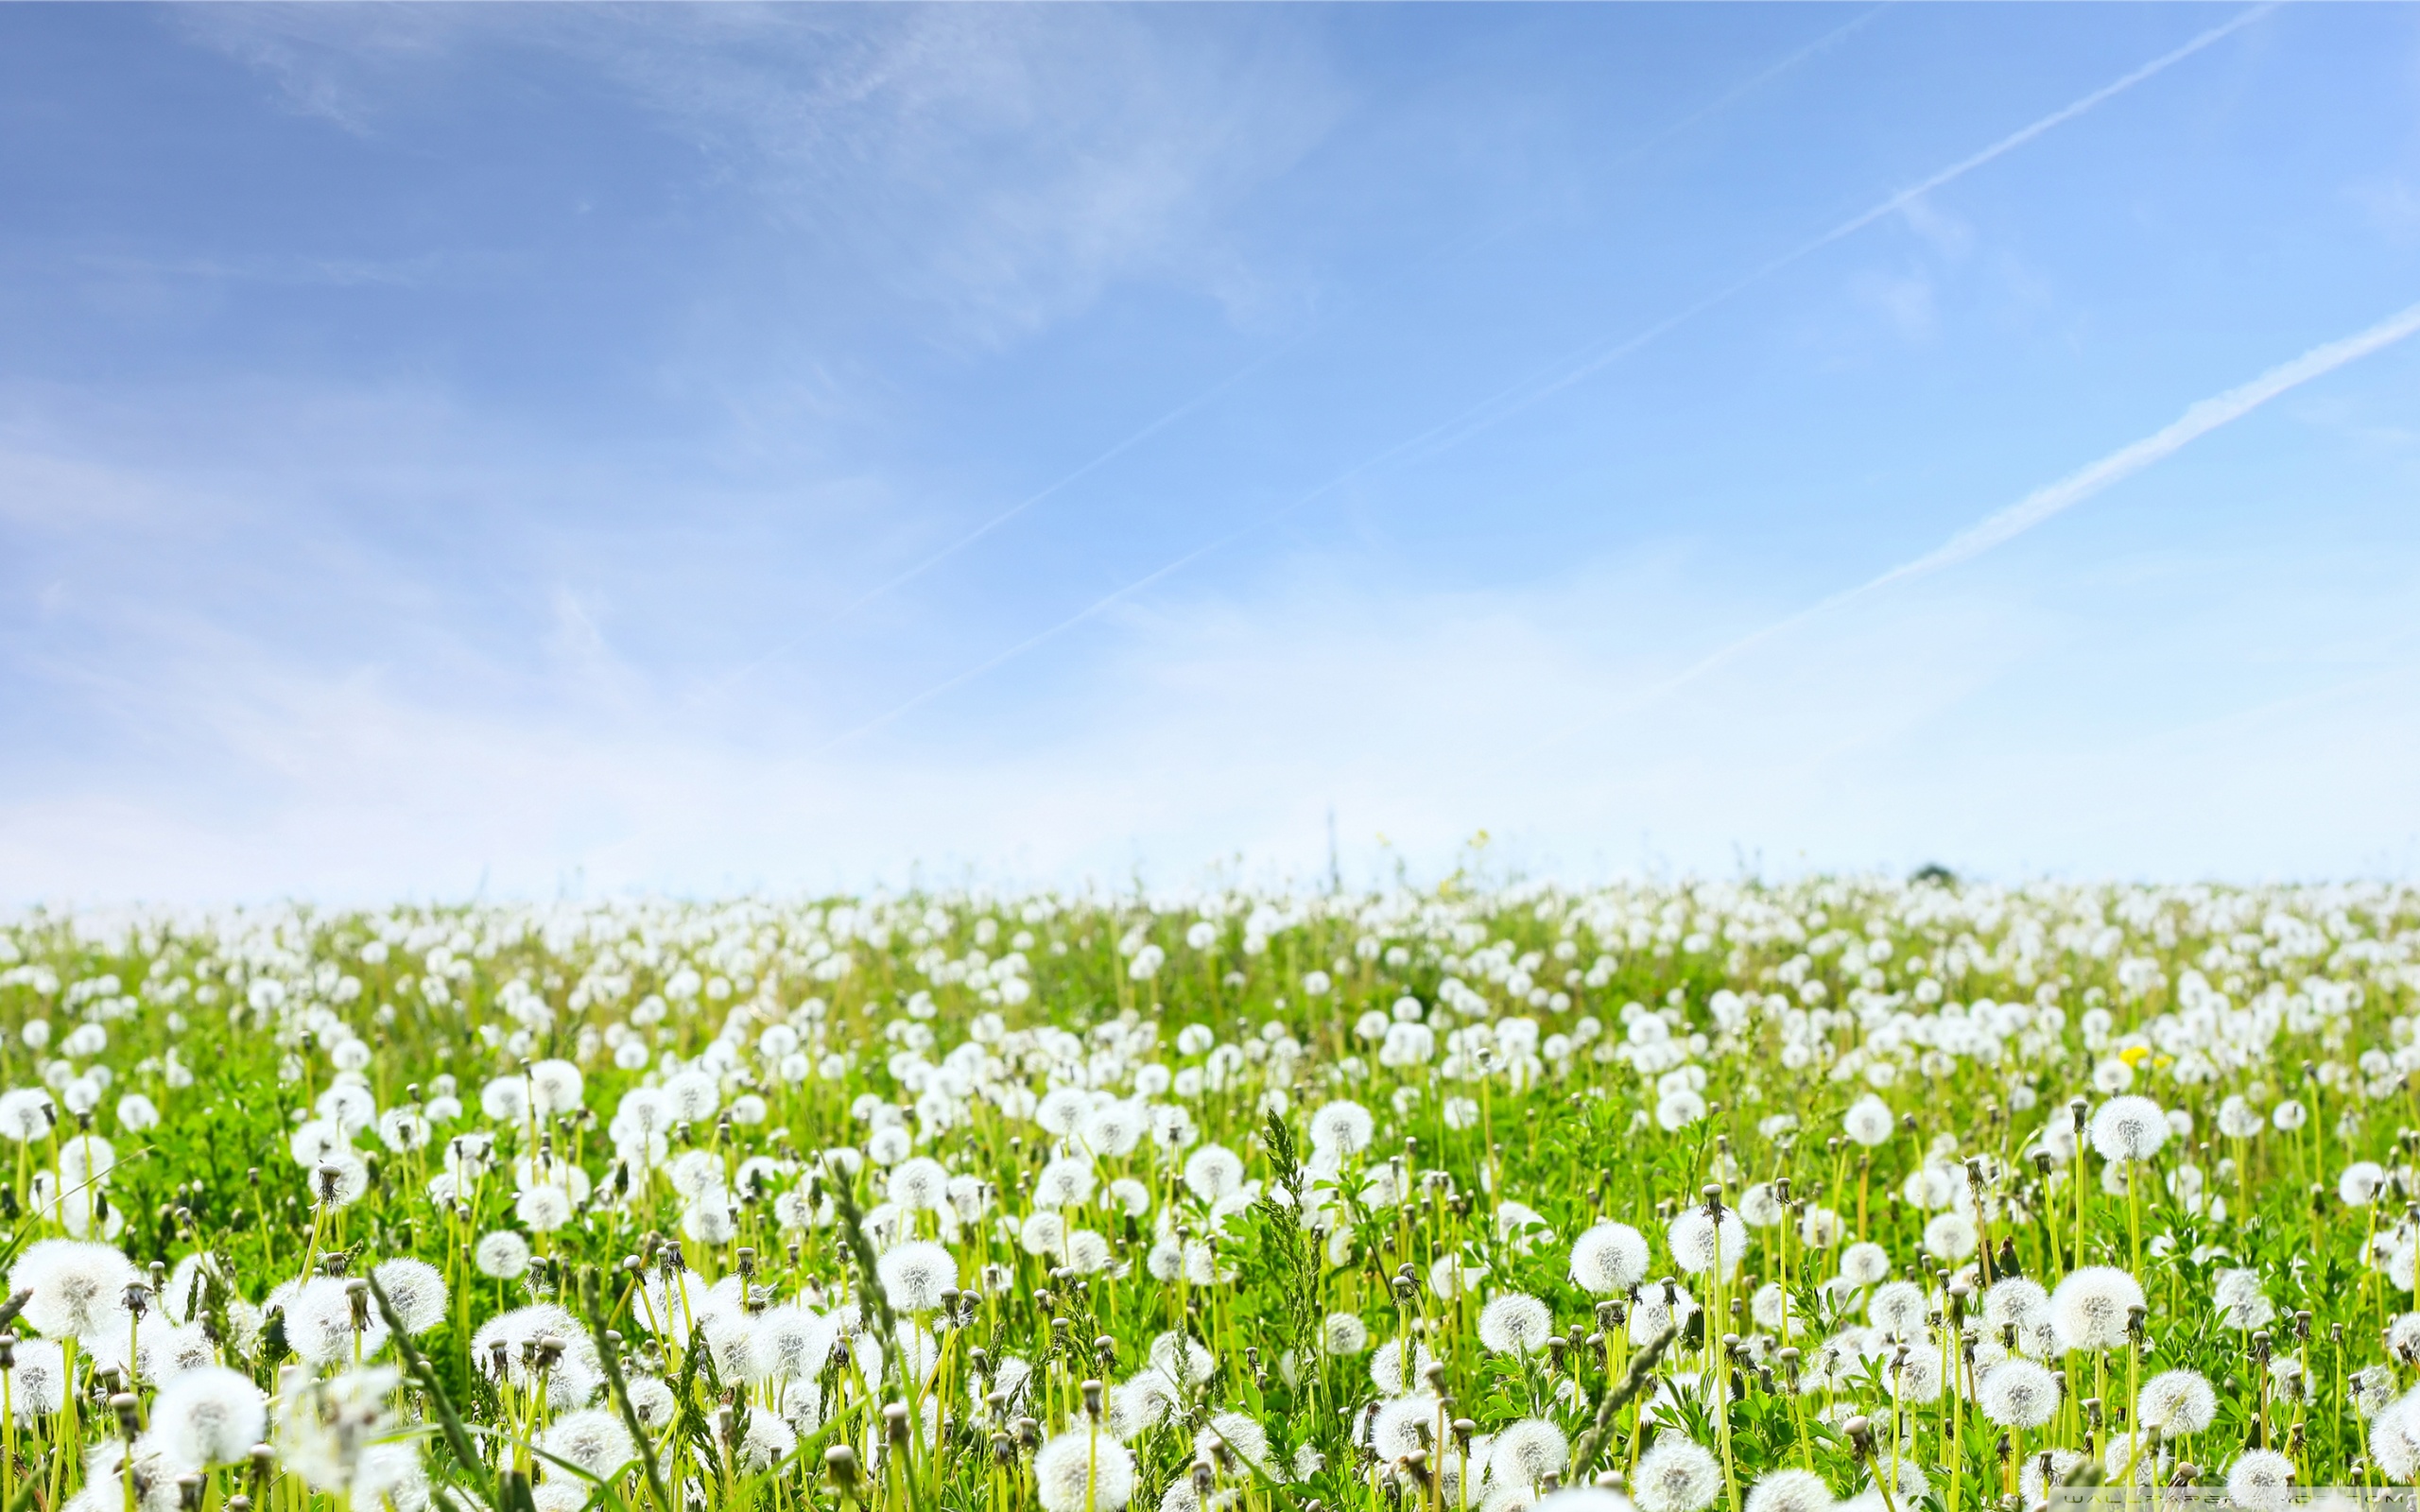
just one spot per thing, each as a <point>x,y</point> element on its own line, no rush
<point>699,448</point>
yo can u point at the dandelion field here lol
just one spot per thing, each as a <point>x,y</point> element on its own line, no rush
<point>1847,1192</point>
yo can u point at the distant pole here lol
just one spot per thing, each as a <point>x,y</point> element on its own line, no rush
<point>1335,870</point>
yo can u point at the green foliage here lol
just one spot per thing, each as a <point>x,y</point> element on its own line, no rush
<point>1588,1057</point>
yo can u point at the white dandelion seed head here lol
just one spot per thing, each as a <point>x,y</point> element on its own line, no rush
<point>1609,1259</point>
<point>28,1113</point>
<point>78,1287</point>
<point>1402,1424</point>
<point>2149,1459</point>
<point>1137,1405</point>
<point>2361,1183</point>
<point>1045,1234</point>
<point>38,1380</point>
<point>2018,1393</point>
<point>339,1180</point>
<point>710,1221</point>
<point>1951,1236</point>
<point>1343,1128</point>
<point>1791,1490</point>
<point>2044,1469</point>
<point>2371,1389</point>
<point>2128,1128</point>
<point>1182,1359</point>
<point>915,1273</point>
<point>1067,1182</point>
<point>1115,1129</point>
<point>416,1288</point>
<point>319,1324</point>
<point>1865,1264</point>
<point>1868,1121</point>
<point>651,1403</point>
<point>2241,1304</point>
<point>1514,1323</point>
<point>324,1430</point>
<point>555,1088</point>
<point>2394,1439</point>
<point>592,1438</point>
<point>768,1441</point>
<point>1213,1172</point>
<point>1074,1470</point>
<point>505,1100</point>
<point>1343,1334</point>
<point>1089,1252</point>
<point>792,1342</point>
<point>208,1415</point>
<point>542,1209</point>
<point>502,1253</point>
<point>733,1338</point>
<point>1916,1375</point>
<point>2091,1307</point>
<point>2260,1480</point>
<point>1396,1376</point>
<point>2015,1301</point>
<point>1525,1453</point>
<point>348,1105</point>
<point>403,1130</point>
<point>1760,1207</point>
<point>1898,1309</point>
<point>1679,1108</point>
<point>1660,1307</point>
<point>1700,1241</point>
<point>918,1184</point>
<point>692,1097</point>
<point>1676,1474</point>
<point>1240,1435</point>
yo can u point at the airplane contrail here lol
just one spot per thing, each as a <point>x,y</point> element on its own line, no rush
<point>1067,480</point>
<point>1511,400</point>
<point>936,557</point>
<point>1520,396</point>
<point>2003,525</point>
<point>2046,503</point>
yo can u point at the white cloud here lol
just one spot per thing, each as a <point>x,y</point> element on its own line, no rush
<point>1006,163</point>
<point>1973,719</point>
<point>1904,300</point>
<point>1003,166</point>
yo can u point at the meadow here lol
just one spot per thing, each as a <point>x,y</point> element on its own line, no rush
<point>1849,1192</point>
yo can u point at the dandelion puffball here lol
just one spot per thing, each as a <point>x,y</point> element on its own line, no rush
<point>1700,1241</point>
<point>915,1273</point>
<point>2128,1128</point>
<point>1609,1259</point>
<point>1791,1490</point>
<point>2092,1307</point>
<point>1676,1474</point>
<point>1075,1471</point>
<point>1868,1121</point>
<point>2261,1480</point>
<point>2177,1402</point>
<point>2018,1393</point>
<point>1514,1323</point>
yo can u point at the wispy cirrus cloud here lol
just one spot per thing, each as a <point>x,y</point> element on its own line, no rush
<point>1003,166</point>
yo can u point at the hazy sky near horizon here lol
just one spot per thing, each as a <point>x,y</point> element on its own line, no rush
<point>710,447</point>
